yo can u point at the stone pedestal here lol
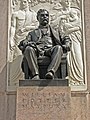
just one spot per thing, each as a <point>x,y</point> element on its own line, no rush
<point>43,103</point>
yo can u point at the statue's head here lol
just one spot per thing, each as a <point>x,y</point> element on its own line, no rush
<point>25,3</point>
<point>65,3</point>
<point>43,17</point>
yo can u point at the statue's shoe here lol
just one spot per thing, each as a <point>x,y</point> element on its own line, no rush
<point>36,77</point>
<point>49,75</point>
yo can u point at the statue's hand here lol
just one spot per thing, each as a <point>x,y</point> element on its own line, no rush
<point>32,44</point>
<point>25,43</point>
<point>67,43</point>
<point>22,45</point>
<point>66,47</point>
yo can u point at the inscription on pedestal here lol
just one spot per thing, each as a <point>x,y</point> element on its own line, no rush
<point>51,103</point>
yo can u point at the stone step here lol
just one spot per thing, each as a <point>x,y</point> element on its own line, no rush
<point>44,82</point>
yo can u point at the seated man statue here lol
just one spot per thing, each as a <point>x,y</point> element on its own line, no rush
<point>44,41</point>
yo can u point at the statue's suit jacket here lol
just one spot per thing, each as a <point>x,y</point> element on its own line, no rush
<point>35,36</point>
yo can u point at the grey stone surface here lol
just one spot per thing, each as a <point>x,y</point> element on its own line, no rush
<point>87,41</point>
<point>11,106</point>
<point>2,106</point>
<point>46,103</point>
<point>3,43</point>
<point>79,105</point>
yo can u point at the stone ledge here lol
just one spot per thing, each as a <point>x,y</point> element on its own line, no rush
<point>79,93</point>
<point>44,82</point>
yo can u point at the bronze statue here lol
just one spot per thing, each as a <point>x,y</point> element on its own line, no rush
<point>44,41</point>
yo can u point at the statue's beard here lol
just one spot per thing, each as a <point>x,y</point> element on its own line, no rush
<point>45,22</point>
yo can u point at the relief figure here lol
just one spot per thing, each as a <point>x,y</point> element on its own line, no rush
<point>22,21</point>
<point>70,24</point>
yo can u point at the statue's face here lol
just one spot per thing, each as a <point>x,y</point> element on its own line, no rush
<point>43,18</point>
<point>65,3</point>
<point>24,3</point>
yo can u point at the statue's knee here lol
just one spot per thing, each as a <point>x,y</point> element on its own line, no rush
<point>58,47</point>
<point>28,49</point>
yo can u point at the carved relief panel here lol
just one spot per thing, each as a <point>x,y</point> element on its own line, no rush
<point>66,16</point>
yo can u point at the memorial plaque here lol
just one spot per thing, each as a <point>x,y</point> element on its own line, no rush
<point>47,103</point>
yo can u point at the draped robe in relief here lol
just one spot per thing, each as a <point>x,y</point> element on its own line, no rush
<point>75,61</point>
